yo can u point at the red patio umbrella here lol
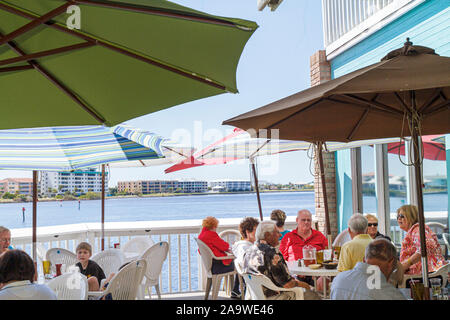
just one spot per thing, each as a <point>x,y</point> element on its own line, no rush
<point>432,150</point>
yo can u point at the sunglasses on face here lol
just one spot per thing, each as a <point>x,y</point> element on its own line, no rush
<point>373,224</point>
<point>400,216</point>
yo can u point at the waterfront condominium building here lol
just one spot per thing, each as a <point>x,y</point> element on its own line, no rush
<point>229,185</point>
<point>162,186</point>
<point>80,181</point>
<point>16,185</point>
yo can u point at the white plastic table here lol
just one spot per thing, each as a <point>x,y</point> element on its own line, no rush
<point>315,273</point>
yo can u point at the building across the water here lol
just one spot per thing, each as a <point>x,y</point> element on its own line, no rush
<point>229,185</point>
<point>16,186</point>
<point>162,186</point>
<point>78,182</point>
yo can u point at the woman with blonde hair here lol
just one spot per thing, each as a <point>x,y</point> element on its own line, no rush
<point>372,227</point>
<point>410,257</point>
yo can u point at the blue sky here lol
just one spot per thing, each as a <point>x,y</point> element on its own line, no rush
<point>273,65</point>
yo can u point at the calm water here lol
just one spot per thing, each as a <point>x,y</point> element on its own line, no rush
<point>179,208</point>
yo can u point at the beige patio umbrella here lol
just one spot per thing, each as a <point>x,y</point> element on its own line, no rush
<point>407,93</point>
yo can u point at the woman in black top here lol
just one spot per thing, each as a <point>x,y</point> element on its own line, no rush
<point>372,228</point>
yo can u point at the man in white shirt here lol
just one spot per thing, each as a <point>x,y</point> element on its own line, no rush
<point>25,290</point>
<point>368,280</point>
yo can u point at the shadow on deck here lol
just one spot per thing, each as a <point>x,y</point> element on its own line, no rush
<point>200,295</point>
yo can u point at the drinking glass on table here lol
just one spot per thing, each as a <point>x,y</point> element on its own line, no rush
<point>46,268</point>
<point>319,256</point>
<point>435,288</point>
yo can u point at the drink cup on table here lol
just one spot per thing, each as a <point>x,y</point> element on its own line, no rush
<point>327,255</point>
<point>58,269</point>
<point>337,252</point>
<point>46,268</point>
<point>320,256</point>
<point>309,255</point>
<point>435,288</point>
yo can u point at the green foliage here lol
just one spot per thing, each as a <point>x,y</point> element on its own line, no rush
<point>8,195</point>
<point>69,197</point>
<point>90,196</point>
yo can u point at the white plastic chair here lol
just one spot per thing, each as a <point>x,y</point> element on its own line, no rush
<point>436,227</point>
<point>255,285</point>
<point>446,239</point>
<point>155,257</point>
<point>342,238</point>
<point>70,286</point>
<point>135,247</point>
<point>213,279</point>
<point>125,284</point>
<point>230,236</point>
<point>60,255</point>
<point>40,251</point>
<point>442,272</point>
<point>109,260</point>
<point>439,230</point>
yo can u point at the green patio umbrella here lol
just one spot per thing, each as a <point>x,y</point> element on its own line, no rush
<point>128,58</point>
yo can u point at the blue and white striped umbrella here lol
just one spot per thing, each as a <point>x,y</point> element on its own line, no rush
<point>70,148</point>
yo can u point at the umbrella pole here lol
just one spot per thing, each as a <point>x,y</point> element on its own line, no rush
<point>417,156</point>
<point>34,237</point>
<point>324,193</point>
<point>103,208</point>
<point>257,188</point>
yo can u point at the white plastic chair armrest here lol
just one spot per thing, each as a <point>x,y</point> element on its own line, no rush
<point>96,293</point>
<point>225,257</point>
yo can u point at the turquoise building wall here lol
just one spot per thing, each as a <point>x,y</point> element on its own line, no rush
<point>427,25</point>
<point>447,157</point>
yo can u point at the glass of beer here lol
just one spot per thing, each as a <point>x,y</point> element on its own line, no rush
<point>319,256</point>
<point>46,267</point>
<point>337,251</point>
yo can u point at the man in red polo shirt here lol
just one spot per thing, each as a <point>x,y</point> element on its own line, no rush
<point>292,244</point>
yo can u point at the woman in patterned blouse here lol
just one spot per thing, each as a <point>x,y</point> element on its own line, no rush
<point>410,257</point>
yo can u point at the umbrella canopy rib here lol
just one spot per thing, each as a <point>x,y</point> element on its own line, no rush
<point>433,98</point>
<point>155,11</point>
<point>294,114</point>
<point>363,104</point>
<point>376,105</point>
<point>35,22</point>
<point>358,124</point>
<point>57,83</point>
<point>110,46</point>
<point>46,53</point>
<point>438,108</point>
<point>18,68</point>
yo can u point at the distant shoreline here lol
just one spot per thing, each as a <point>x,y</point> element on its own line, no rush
<point>155,195</point>
<point>160,195</point>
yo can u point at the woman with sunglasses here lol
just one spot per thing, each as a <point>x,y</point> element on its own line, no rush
<point>410,258</point>
<point>372,228</point>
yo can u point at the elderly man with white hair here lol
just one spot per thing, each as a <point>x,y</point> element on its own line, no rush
<point>5,239</point>
<point>352,252</point>
<point>264,258</point>
<point>368,280</point>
